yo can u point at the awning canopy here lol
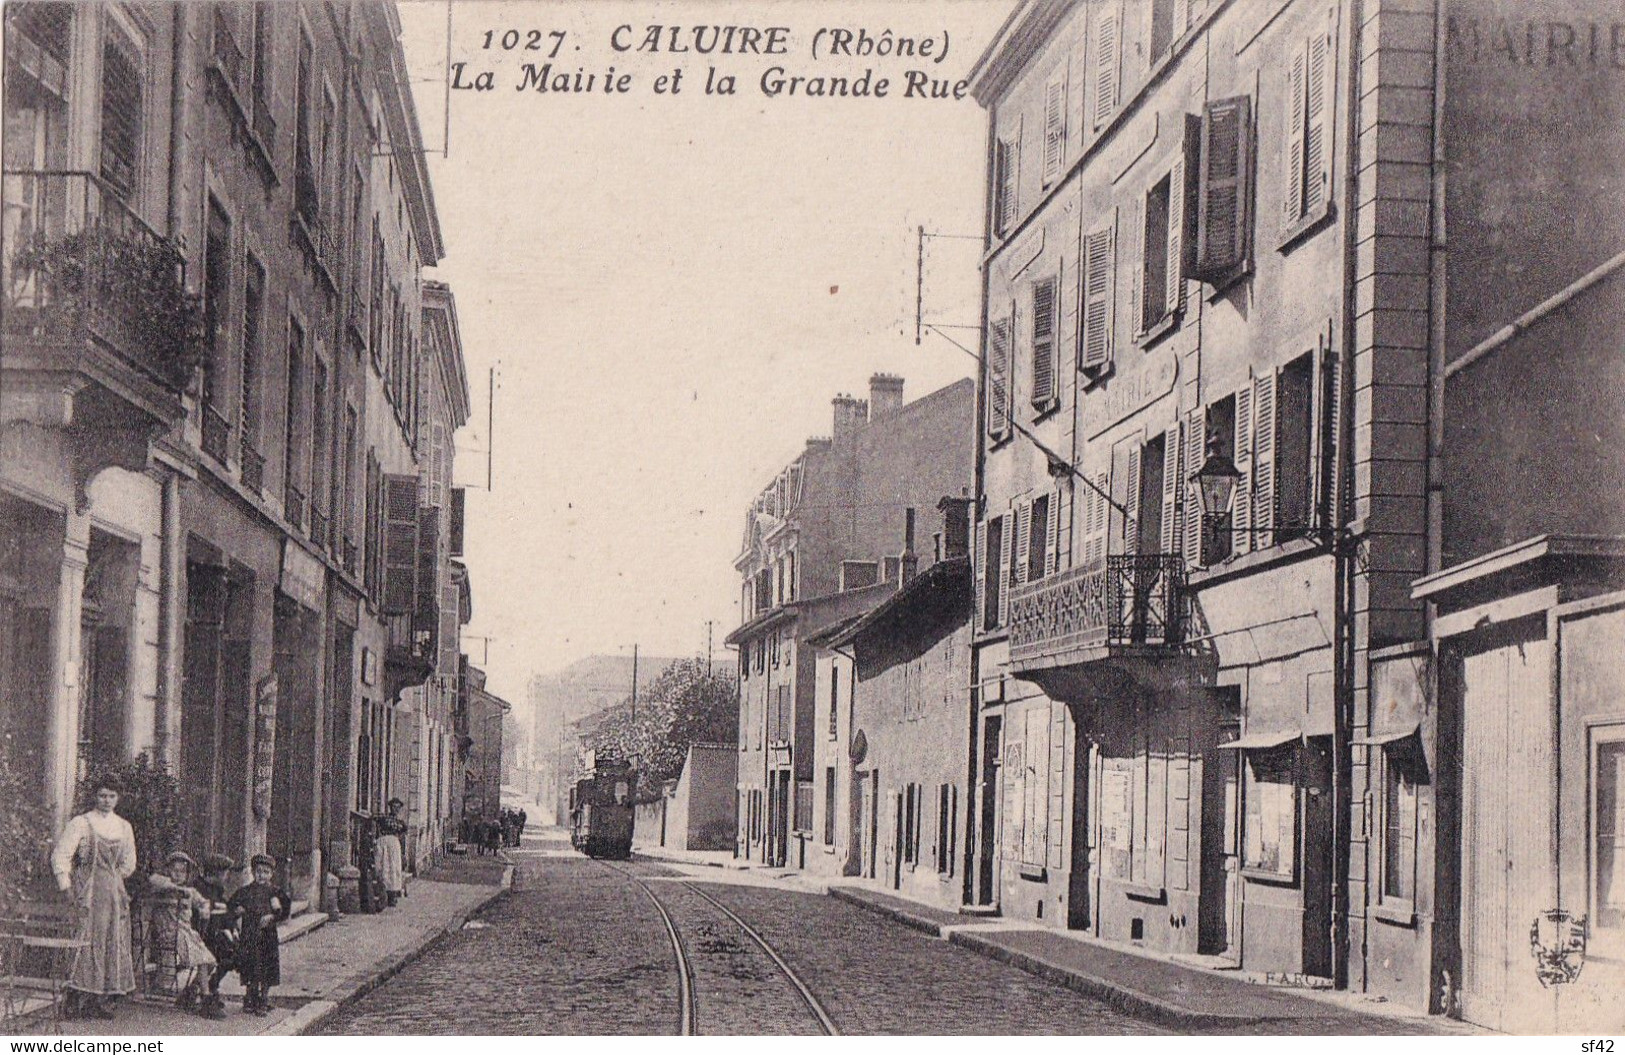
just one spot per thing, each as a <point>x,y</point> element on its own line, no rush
<point>1259,741</point>
<point>1378,739</point>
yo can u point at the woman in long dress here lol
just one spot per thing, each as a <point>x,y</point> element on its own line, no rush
<point>92,859</point>
<point>387,851</point>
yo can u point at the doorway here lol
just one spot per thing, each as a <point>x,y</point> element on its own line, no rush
<point>987,823</point>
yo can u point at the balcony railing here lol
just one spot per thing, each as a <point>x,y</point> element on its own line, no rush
<point>216,433</point>
<point>293,504</point>
<point>79,264</point>
<point>253,467</point>
<point>1129,601</point>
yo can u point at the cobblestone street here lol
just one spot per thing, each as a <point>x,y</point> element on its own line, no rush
<point>580,946</point>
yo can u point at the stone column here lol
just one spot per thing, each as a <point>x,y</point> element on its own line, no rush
<point>62,717</point>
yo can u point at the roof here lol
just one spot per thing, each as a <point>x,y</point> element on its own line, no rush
<point>784,613</point>
<point>945,583</point>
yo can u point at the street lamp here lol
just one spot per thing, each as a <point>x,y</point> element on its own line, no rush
<point>1216,479</point>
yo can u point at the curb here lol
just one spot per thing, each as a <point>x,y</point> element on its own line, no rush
<point>907,919</point>
<point>317,1011</point>
<point>1119,997</point>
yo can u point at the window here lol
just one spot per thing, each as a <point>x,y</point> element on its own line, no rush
<point>1147,500</point>
<point>947,808</point>
<point>1224,191</point>
<point>1106,61</point>
<point>1398,822</point>
<point>1046,307</point>
<point>253,308</point>
<point>1006,166</point>
<point>216,294</point>
<point>1308,150</point>
<point>260,83</point>
<point>775,648</point>
<point>993,575</point>
<point>320,452</point>
<point>829,806</point>
<point>1270,837</point>
<point>1161,277</point>
<point>804,806</point>
<point>911,823</point>
<point>998,379</point>
<point>304,172</point>
<point>1099,281</point>
<point>1054,129</point>
<point>1218,529</point>
<point>294,420</point>
<point>761,654</point>
<point>1038,544</point>
<point>834,700</point>
<point>372,524</point>
<point>764,591</point>
<point>1607,764</point>
<point>781,716</point>
<point>1294,425</point>
<point>121,109</point>
<point>1164,31</point>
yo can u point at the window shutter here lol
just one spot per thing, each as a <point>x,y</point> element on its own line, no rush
<point>427,617</point>
<point>1065,518</point>
<point>1316,134</point>
<point>1137,292</point>
<point>981,573</point>
<point>1174,298</point>
<point>1106,63</point>
<point>1131,526</point>
<point>998,378</point>
<point>400,544</point>
<point>1054,128</point>
<point>1044,341</point>
<point>1241,507</point>
<point>1264,461</point>
<point>1292,206</point>
<point>458,504</point>
<point>1331,433</point>
<point>1171,487</point>
<point>1221,229</point>
<point>1096,345</point>
<point>1005,539</point>
<point>1195,451</point>
<point>1098,520</point>
<point>1024,532</point>
<point>1182,18</point>
<point>1052,533</point>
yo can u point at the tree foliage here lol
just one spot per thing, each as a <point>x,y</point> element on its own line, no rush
<point>25,831</point>
<point>685,705</point>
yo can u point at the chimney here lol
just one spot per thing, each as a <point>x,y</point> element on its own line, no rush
<point>955,526</point>
<point>885,395</point>
<point>817,443</point>
<point>850,415</point>
<point>908,563</point>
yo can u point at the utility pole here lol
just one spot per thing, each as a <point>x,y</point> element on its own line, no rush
<point>708,623</point>
<point>634,682</point>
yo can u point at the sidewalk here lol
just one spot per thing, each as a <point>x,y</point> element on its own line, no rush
<point>1153,986</point>
<point>328,965</point>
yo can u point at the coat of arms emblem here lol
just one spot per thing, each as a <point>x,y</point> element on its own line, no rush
<point>1557,940</point>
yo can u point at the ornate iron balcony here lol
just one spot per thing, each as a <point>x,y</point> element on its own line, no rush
<point>82,272</point>
<point>1131,601</point>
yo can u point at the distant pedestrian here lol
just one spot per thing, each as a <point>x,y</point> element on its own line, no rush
<point>493,836</point>
<point>259,907</point>
<point>387,852</point>
<point>522,819</point>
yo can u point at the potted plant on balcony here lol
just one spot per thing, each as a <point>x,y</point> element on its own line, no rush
<point>133,280</point>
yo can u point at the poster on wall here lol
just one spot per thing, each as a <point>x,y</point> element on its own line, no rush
<point>1116,816</point>
<point>264,744</point>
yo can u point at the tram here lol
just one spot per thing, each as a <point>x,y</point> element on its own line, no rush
<point>601,810</point>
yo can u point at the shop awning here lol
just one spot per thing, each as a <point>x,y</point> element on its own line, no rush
<point>1378,739</point>
<point>1260,741</point>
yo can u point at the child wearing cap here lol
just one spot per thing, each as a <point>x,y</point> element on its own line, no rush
<point>218,934</point>
<point>181,910</point>
<point>259,907</point>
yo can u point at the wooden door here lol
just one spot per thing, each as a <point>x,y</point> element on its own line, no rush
<point>1506,843</point>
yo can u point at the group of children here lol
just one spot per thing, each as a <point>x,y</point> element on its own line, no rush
<point>215,935</point>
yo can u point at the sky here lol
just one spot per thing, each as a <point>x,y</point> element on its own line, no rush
<point>671,289</point>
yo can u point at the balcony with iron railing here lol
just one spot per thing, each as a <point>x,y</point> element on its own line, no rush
<point>1131,603</point>
<point>89,288</point>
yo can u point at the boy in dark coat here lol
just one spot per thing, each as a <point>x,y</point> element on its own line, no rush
<point>259,907</point>
<point>217,935</point>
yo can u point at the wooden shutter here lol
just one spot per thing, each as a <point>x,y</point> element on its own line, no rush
<point>1024,530</point>
<point>1097,520</point>
<point>1172,485</point>
<point>1174,271</point>
<point>1005,540</point>
<point>1195,452</point>
<point>400,544</point>
<point>1004,185</point>
<point>1054,128</point>
<point>1137,291</point>
<point>1107,47</point>
<point>427,617</point>
<point>998,378</point>
<point>1241,507</point>
<point>981,574</point>
<point>1331,438</point>
<point>458,505</point>
<point>1264,460</point>
<point>1182,18</point>
<point>1131,499</point>
<point>1052,541</point>
<point>1044,302</point>
<point>1065,517</point>
<point>1317,125</point>
<point>1292,205</point>
<point>1222,194</point>
<point>1095,347</point>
